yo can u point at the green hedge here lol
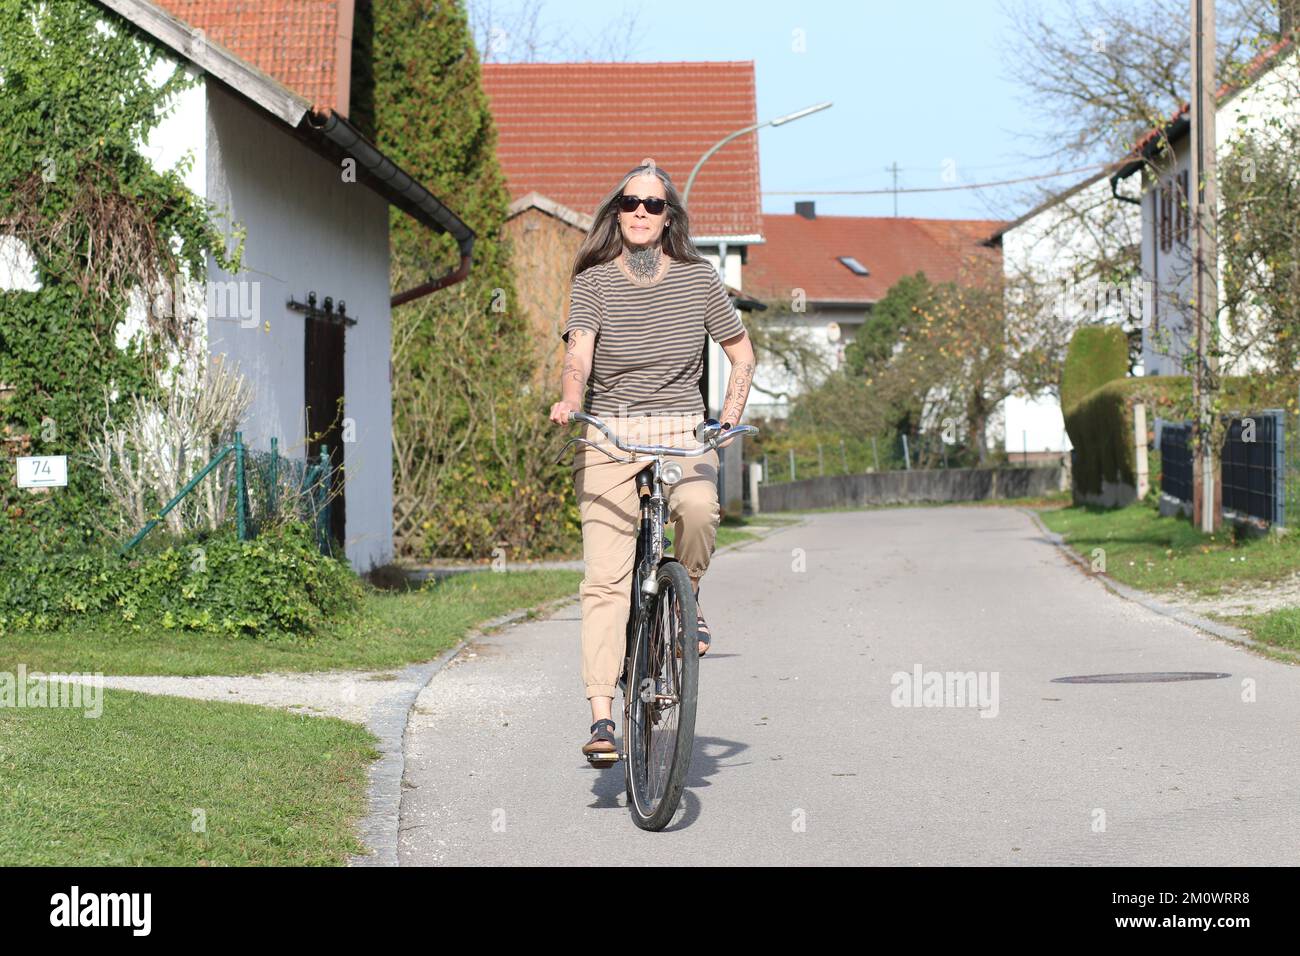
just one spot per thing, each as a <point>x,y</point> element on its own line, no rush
<point>1100,424</point>
<point>1098,354</point>
<point>277,583</point>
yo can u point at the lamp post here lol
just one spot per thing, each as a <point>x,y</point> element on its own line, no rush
<point>722,256</point>
<point>779,121</point>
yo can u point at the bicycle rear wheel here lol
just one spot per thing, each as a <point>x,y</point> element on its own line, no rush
<point>662,690</point>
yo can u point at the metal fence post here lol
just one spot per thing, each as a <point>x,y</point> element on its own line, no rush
<point>323,512</point>
<point>821,463</point>
<point>273,502</point>
<point>907,457</point>
<point>792,464</point>
<point>1279,467</point>
<point>875,453</point>
<point>241,517</point>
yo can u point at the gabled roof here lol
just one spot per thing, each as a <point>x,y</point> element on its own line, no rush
<point>1052,200</point>
<point>1176,127</point>
<point>805,254</point>
<point>325,131</point>
<point>578,220</point>
<point>570,131</point>
<point>304,44</point>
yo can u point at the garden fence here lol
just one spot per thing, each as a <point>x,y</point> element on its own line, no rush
<point>267,486</point>
<point>1259,479</point>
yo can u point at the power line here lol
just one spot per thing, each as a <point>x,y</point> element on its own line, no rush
<point>935,189</point>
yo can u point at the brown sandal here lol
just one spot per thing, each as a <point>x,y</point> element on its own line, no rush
<point>602,747</point>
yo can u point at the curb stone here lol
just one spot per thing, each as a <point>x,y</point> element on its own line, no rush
<point>378,830</point>
<point>1213,628</point>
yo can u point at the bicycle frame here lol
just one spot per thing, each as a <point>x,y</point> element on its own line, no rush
<point>653,518</point>
<point>660,679</point>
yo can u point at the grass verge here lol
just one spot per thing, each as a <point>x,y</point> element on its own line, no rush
<point>161,781</point>
<point>393,629</point>
<point>1155,553</point>
<point>1280,628</point>
<point>1160,554</point>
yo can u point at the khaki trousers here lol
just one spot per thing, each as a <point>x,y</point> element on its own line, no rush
<point>609,506</point>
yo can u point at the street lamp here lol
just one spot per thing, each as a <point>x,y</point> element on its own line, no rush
<point>722,260</point>
<point>780,120</point>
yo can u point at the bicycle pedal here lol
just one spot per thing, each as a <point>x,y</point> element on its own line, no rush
<point>603,761</point>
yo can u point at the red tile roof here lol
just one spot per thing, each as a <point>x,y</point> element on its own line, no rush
<point>804,253</point>
<point>570,131</point>
<point>1263,61</point>
<point>304,44</point>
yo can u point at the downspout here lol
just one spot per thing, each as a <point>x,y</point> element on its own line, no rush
<point>413,199</point>
<point>451,278</point>
<point>1114,188</point>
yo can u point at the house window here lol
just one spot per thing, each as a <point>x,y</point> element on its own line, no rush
<point>1183,213</point>
<point>1166,216</point>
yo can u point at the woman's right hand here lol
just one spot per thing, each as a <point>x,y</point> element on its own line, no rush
<point>561,410</point>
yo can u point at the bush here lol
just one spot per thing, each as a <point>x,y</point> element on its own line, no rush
<point>1098,354</point>
<point>1100,423</point>
<point>276,583</point>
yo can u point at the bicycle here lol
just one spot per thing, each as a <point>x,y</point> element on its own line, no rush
<point>661,659</point>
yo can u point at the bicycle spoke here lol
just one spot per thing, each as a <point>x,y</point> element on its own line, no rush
<point>662,711</point>
<point>664,733</point>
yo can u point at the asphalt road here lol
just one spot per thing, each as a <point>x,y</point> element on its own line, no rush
<point>805,753</point>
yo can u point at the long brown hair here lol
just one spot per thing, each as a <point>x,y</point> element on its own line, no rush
<point>605,240</point>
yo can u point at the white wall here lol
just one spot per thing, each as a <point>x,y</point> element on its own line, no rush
<point>814,329</point>
<point>307,230</point>
<point>1034,424</point>
<point>719,364</point>
<point>17,267</point>
<point>1165,347</point>
<point>1047,255</point>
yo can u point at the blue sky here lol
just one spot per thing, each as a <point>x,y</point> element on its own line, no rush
<point>917,82</point>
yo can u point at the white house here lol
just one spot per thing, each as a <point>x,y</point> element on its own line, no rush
<point>1169,339</point>
<point>313,196</point>
<point>1049,258</point>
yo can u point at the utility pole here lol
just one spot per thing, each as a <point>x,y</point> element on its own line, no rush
<point>894,169</point>
<point>1205,256</point>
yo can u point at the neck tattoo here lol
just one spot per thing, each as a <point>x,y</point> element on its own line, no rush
<point>643,264</point>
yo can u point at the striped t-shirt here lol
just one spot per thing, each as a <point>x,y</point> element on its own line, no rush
<point>649,352</point>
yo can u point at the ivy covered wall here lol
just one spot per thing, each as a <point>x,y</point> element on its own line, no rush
<point>99,221</point>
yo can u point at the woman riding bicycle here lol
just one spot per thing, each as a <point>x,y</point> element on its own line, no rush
<point>642,301</point>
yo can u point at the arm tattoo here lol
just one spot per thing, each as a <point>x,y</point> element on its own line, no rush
<point>742,373</point>
<point>573,370</point>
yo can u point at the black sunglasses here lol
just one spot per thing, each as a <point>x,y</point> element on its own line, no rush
<point>653,204</point>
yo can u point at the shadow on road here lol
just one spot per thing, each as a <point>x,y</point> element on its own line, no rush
<point>711,755</point>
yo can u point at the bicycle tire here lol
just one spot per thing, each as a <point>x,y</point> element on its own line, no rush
<point>665,657</point>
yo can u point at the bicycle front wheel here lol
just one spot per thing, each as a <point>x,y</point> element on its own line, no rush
<point>664,687</point>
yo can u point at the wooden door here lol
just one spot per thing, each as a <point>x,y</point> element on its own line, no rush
<point>324,399</point>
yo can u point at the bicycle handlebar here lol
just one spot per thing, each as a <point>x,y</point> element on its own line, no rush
<point>713,443</point>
